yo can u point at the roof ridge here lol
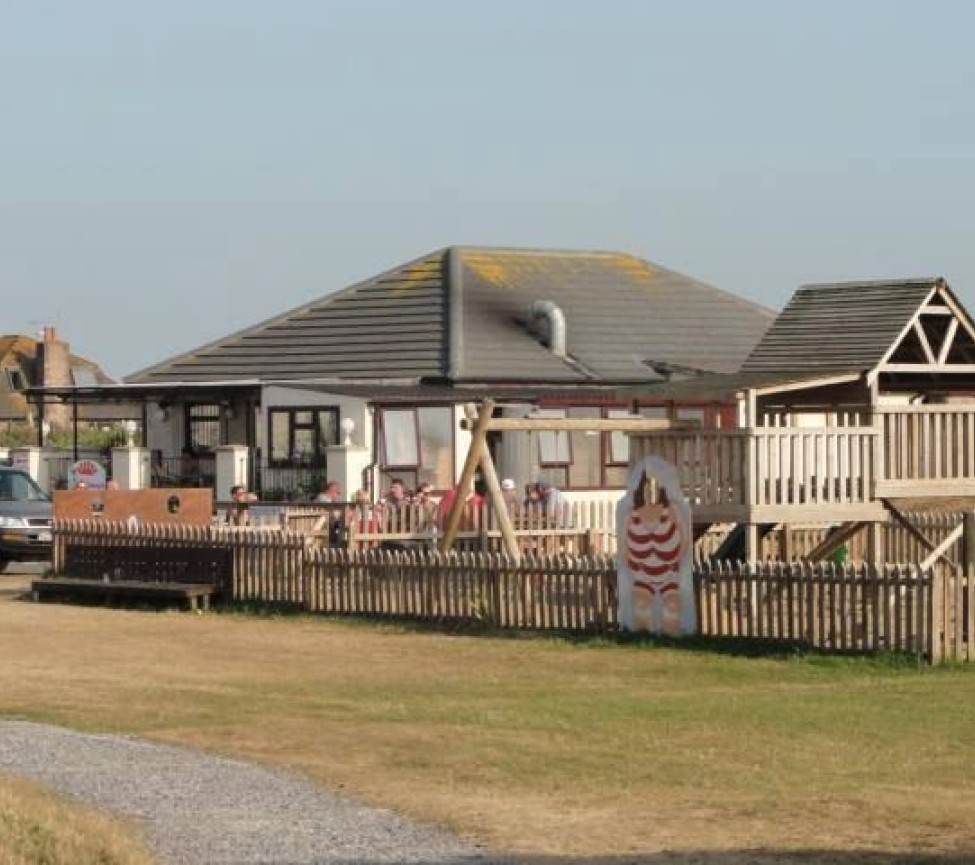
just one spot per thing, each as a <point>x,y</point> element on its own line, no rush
<point>329,297</point>
<point>874,283</point>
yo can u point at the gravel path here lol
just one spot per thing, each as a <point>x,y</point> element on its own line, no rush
<point>198,808</point>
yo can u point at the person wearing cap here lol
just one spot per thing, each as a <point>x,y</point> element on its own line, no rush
<point>512,501</point>
<point>554,504</point>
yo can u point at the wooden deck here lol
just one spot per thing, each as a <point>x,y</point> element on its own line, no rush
<point>834,473</point>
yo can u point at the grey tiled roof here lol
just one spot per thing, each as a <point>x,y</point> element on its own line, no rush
<point>839,327</point>
<point>459,315</point>
<point>621,312</point>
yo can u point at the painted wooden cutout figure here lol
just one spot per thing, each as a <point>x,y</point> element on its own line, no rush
<point>654,562</point>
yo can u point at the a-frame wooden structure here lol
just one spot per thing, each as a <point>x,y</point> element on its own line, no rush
<point>481,421</point>
<point>857,406</point>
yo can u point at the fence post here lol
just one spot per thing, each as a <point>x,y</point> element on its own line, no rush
<point>936,630</point>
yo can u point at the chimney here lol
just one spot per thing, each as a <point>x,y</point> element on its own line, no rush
<point>54,370</point>
<point>548,310</point>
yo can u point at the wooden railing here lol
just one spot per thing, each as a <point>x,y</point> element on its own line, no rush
<point>930,444</point>
<point>909,451</point>
<point>583,526</point>
<point>823,465</point>
<point>712,464</point>
<point>769,465</point>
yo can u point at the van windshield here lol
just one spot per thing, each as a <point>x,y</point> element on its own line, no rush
<point>19,487</point>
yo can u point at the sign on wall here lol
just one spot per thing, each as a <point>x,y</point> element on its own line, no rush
<point>655,552</point>
<point>86,474</point>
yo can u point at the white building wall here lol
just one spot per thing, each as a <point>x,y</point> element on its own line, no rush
<point>462,442</point>
<point>517,459</point>
<point>164,429</point>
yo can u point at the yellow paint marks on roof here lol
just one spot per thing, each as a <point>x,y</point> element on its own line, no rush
<point>505,269</point>
<point>420,274</point>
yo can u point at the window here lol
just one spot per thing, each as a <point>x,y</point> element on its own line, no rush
<point>554,446</point>
<point>586,469</point>
<point>417,445</point>
<point>19,487</point>
<point>401,448</point>
<point>436,447</point>
<point>618,450</point>
<point>202,427</point>
<point>299,436</point>
<point>691,414</point>
<point>83,377</point>
<point>15,380</point>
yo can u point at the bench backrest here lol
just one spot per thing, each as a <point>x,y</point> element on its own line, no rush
<point>190,563</point>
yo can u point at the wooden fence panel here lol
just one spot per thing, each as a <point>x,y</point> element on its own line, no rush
<point>844,608</point>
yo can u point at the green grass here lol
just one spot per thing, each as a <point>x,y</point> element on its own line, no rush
<point>39,828</point>
<point>551,745</point>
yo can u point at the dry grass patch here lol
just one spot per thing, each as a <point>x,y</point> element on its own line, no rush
<point>541,746</point>
<point>39,828</point>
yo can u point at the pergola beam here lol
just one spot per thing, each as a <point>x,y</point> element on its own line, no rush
<point>563,424</point>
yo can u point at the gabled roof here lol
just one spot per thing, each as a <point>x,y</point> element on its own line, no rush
<point>460,315</point>
<point>20,353</point>
<point>854,326</point>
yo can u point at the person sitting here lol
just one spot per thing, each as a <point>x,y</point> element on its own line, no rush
<point>361,518</point>
<point>470,511</point>
<point>189,467</point>
<point>397,496</point>
<point>512,501</point>
<point>331,494</point>
<point>556,507</point>
<point>239,514</point>
<point>426,506</point>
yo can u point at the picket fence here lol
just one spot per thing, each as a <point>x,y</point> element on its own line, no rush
<point>840,608</point>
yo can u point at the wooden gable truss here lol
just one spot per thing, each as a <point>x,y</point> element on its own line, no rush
<point>939,338</point>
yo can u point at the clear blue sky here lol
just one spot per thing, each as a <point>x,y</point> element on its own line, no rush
<point>172,172</point>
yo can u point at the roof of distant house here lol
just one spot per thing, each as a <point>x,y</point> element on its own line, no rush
<point>18,370</point>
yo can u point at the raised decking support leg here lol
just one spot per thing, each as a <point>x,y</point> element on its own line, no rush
<point>752,551</point>
<point>875,547</point>
<point>785,543</point>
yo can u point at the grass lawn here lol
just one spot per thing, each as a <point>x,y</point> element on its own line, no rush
<point>38,827</point>
<point>546,747</point>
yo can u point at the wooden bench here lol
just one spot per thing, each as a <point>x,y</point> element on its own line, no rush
<point>190,573</point>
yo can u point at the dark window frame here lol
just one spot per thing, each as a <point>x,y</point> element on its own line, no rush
<point>16,380</point>
<point>192,421</point>
<point>319,457</point>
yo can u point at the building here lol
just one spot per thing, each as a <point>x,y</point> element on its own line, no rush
<point>857,406</point>
<point>394,359</point>
<point>46,362</point>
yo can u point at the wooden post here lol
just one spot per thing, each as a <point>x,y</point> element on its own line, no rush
<point>968,543</point>
<point>873,543</point>
<point>494,489</point>
<point>936,612</point>
<point>478,445</point>
<point>751,543</point>
<point>785,543</point>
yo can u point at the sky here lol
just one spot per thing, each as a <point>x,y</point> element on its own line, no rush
<point>173,172</point>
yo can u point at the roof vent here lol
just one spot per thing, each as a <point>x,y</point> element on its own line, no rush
<point>556,324</point>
